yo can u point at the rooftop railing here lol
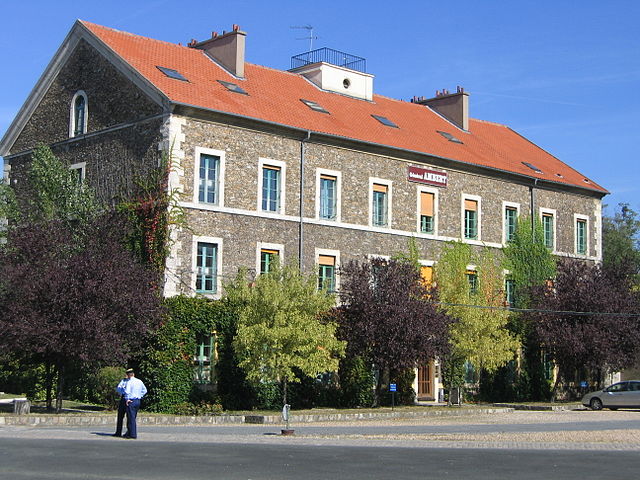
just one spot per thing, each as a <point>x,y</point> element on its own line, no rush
<point>329,55</point>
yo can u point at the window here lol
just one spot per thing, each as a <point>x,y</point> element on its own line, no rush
<point>380,205</point>
<point>385,121</point>
<point>271,183</point>
<point>209,179</point>
<point>471,219</point>
<point>78,115</point>
<point>204,358</point>
<point>314,105</point>
<point>207,268</point>
<point>79,170</point>
<point>426,274</point>
<point>472,278</point>
<point>328,197</point>
<point>449,137</point>
<point>171,73</point>
<point>509,290</point>
<point>327,273</point>
<point>581,236</point>
<point>268,259</point>
<point>532,167</point>
<point>510,222</point>
<point>427,217</point>
<point>548,230</point>
<point>232,87</point>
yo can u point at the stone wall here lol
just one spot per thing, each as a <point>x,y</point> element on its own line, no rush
<point>241,225</point>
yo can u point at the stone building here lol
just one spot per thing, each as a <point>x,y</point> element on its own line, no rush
<point>307,164</point>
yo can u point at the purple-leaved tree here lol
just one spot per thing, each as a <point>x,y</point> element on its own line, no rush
<point>71,296</point>
<point>387,317</point>
<point>603,341</point>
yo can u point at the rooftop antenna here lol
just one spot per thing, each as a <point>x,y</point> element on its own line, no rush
<point>309,28</point>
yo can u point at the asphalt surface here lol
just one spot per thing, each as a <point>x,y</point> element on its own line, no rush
<point>522,445</point>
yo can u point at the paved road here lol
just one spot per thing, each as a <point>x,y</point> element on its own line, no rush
<point>551,445</point>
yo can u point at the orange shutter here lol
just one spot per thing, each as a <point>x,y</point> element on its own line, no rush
<point>471,205</point>
<point>326,260</point>
<point>328,177</point>
<point>426,204</point>
<point>426,272</point>
<point>379,188</point>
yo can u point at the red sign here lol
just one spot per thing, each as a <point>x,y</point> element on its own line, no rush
<point>428,177</point>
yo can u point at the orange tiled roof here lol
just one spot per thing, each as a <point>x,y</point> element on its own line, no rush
<point>274,96</point>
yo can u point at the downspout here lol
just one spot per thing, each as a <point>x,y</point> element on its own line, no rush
<point>301,206</point>
<point>533,210</point>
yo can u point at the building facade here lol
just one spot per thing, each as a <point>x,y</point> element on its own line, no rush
<point>308,165</point>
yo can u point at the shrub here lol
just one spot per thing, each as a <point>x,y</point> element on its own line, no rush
<point>104,387</point>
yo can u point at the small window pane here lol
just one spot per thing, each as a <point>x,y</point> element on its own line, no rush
<point>271,189</point>
<point>206,268</point>
<point>547,228</point>
<point>171,73</point>
<point>233,87</point>
<point>328,197</point>
<point>385,121</point>
<point>511,217</point>
<point>209,179</point>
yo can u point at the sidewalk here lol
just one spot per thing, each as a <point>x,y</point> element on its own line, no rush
<point>158,419</point>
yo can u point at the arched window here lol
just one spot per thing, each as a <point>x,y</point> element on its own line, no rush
<point>78,114</point>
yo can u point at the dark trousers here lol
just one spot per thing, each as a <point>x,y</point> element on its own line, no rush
<point>131,411</point>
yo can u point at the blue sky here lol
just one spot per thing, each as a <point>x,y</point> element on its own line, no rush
<point>565,74</point>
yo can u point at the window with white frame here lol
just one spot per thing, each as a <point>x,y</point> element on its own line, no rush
<point>209,176</point>
<point>581,234</point>
<point>271,182</point>
<point>380,192</point>
<point>327,261</point>
<point>328,199</point>
<point>267,256</point>
<point>79,170</point>
<point>207,263</point>
<point>471,217</point>
<point>510,220</point>
<point>548,218</point>
<point>427,206</point>
<point>78,114</point>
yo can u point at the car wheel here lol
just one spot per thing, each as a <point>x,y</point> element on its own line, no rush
<point>595,404</point>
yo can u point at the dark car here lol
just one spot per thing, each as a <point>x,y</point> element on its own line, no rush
<point>619,395</point>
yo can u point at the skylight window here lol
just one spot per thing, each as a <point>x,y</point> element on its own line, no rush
<point>532,167</point>
<point>313,105</point>
<point>449,137</point>
<point>233,87</point>
<point>385,121</point>
<point>171,73</point>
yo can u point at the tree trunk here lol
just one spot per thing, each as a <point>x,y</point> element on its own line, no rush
<point>284,391</point>
<point>48,383</point>
<point>59,387</point>
<point>555,388</point>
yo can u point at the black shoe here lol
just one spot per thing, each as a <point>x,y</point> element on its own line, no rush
<point>128,437</point>
<point>117,435</point>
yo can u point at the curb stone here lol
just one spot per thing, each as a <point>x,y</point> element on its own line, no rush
<point>77,419</point>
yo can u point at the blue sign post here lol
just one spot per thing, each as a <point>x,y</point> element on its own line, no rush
<point>393,389</point>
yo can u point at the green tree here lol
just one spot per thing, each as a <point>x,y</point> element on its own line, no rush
<point>284,329</point>
<point>621,243</point>
<point>480,336</point>
<point>531,265</point>
<point>529,262</point>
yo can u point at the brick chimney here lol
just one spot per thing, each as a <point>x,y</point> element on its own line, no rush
<point>453,106</point>
<point>226,49</point>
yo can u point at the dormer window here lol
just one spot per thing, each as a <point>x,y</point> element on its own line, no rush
<point>78,115</point>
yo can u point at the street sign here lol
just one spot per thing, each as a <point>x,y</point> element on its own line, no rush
<point>392,387</point>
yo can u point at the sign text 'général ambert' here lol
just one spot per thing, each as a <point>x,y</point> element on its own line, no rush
<point>426,176</point>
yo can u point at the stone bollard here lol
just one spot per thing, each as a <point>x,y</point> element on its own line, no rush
<point>21,407</point>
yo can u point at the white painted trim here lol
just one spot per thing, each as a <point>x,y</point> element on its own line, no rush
<point>389,185</point>
<point>330,253</point>
<point>72,114</point>
<point>506,205</point>
<point>325,223</point>
<point>371,256</point>
<point>265,162</point>
<point>221,174</point>
<point>82,166</point>
<point>598,230</point>
<point>550,211</point>
<point>195,239</point>
<point>338,175</point>
<point>436,216</point>
<point>478,199</point>
<point>427,263</point>
<point>576,217</point>
<point>268,246</point>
